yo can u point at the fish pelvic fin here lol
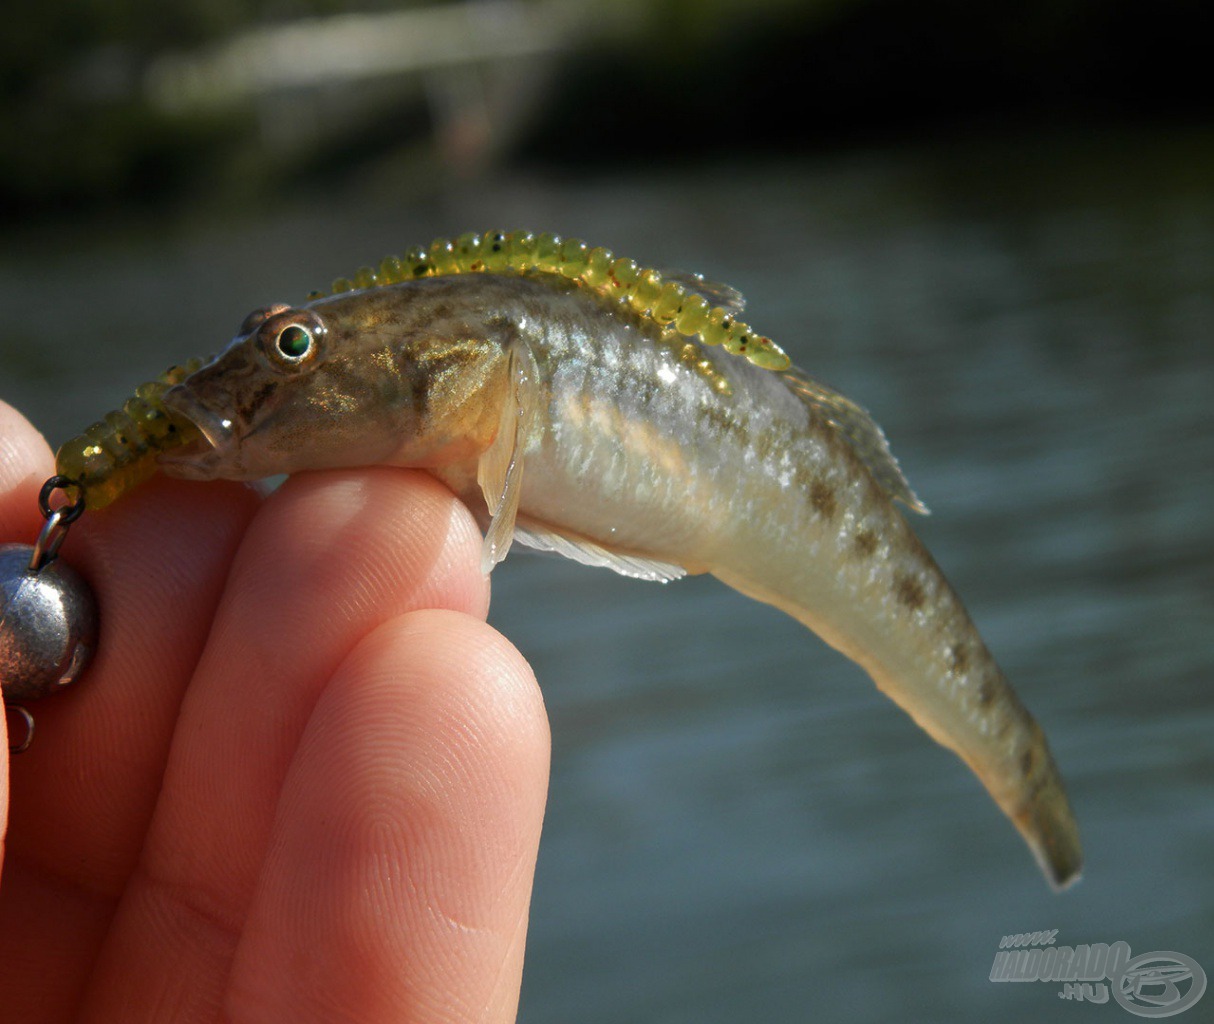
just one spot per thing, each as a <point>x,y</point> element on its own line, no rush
<point>500,469</point>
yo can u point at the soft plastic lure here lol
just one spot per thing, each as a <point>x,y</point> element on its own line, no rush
<point>120,451</point>
<point>581,404</point>
<point>686,302</point>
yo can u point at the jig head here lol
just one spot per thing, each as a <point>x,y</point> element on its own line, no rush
<point>48,615</point>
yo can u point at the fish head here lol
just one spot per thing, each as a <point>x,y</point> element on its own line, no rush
<point>256,403</point>
<point>359,379</point>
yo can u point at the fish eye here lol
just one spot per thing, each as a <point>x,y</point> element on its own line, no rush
<point>294,341</point>
<point>291,339</point>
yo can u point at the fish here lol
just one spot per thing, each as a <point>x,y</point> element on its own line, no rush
<point>624,417</point>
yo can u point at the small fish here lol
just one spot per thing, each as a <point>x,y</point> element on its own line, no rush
<point>624,417</point>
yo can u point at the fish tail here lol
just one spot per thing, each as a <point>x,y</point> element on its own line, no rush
<point>1005,747</point>
<point>1044,817</point>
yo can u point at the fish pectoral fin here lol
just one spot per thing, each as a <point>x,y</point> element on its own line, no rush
<point>543,537</point>
<point>500,469</point>
<point>861,431</point>
<point>728,298</point>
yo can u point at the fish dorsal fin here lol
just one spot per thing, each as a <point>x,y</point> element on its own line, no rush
<point>862,433</point>
<point>542,537</point>
<point>715,292</point>
<point>500,469</point>
<point>685,303</point>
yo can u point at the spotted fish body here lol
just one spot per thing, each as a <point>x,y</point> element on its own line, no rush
<point>573,419</point>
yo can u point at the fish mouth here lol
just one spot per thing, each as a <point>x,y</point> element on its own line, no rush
<point>203,457</point>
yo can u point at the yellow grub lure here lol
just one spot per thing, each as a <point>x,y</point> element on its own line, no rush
<point>686,302</point>
<point>120,451</point>
<point>92,470</point>
<point>622,416</point>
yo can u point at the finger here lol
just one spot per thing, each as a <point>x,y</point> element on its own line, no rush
<point>329,557</point>
<point>82,795</point>
<point>401,861</point>
<point>88,784</point>
<point>25,461</point>
<point>24,457</point>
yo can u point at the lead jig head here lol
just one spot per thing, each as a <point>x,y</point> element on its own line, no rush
<point>48,616</point>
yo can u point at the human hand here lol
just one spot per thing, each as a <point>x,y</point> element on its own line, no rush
<point>301,781</point>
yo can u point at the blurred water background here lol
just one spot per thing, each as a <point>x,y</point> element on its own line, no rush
<point>739,826</point>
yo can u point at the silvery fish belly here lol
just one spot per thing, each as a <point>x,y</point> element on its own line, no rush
<point>626,418</point>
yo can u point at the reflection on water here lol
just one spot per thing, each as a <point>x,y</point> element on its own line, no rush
<point>740,827</point>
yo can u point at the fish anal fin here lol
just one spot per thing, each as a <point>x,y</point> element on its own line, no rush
<point>542,537</point>
<point>500,469</point>
<point>861,431</point>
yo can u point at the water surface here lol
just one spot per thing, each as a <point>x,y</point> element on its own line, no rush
<point>740,827</point>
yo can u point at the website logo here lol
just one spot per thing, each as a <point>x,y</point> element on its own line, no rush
<point>1158,984</point>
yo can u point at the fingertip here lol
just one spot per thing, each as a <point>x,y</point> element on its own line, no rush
<point>459,683</point>
<point>361,527</point>
<point>406,837</point>
<point>441,709</point>
<point>25,462</point>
